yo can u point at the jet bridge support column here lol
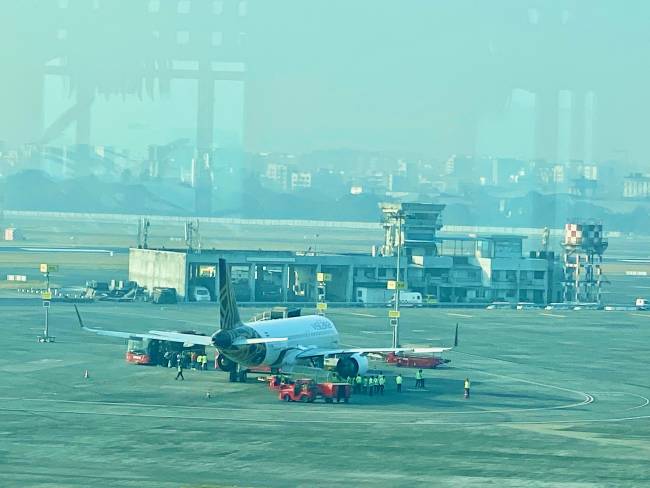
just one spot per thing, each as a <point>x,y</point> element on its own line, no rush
<point>349,288</point>
<point>251,281</point>
<point>285,283</point>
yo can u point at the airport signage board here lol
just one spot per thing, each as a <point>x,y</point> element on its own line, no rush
<point>393,314</point>
<point>321,306</point>
<point>46,304</point>
<point>49,268</point>
<point>46,295</point>
<point>395,285</point>
<point>323,277</point>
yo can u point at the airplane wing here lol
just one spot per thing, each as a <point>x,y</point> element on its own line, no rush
<point>321,352</point>
<point>164,335</point>
<point>317,352</point>
<point>152,334</point>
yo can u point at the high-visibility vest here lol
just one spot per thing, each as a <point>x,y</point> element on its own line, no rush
<point>365,382</point>
<point>418,375</point>
<point>382,380</point>
<point>398,379</point>
<point>359,379</point>
<point>467,384</point>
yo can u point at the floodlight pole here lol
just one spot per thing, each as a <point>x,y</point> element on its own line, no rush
<point>47,309</point>
<point>397,282</point>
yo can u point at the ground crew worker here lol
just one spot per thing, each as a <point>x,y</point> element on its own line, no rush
<point>398,382</point>
<point>419,379</point>
<point>340,393</point>
<point>371,386</point>
<point>382,382</point>
<point>357,383</point>
<point>349,380</point>
<point>179,358</point>
<point>467,385</point>
<point>366,383</point>
<point>179,368</point>
<point>193,360</point>
<point>205,362</point>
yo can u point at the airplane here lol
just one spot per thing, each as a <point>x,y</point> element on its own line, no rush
<point>278,345</point>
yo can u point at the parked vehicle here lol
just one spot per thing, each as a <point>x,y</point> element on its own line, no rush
<point>404,360</point>
<point>407,299</point>
<point>641,304</point>
<point>373,296</point>
<point>164,295</point>
<point>307,391</point>
<point>200,294</point>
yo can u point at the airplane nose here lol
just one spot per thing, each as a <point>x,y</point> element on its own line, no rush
<point>222,339</point>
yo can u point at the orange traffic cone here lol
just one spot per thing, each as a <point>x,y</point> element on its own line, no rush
<point>86,375</point>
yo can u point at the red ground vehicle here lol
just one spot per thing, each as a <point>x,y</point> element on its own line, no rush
<point>306,391</point>
<point>415,361</point>
<point>275,382</point>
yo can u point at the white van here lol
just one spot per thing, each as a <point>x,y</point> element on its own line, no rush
<point>407,299</point>
<point>200,294</point>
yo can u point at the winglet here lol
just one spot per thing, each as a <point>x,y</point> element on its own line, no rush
<point>456,337</point>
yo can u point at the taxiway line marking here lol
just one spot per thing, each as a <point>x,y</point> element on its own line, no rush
<point>640,315</point>
<point>358,314</point>
<point>465,316</point>
<point>419,423</point>
<point>646,400</point>
<point>556,315</point>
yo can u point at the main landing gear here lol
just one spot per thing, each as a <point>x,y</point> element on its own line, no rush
<point>238,374</point>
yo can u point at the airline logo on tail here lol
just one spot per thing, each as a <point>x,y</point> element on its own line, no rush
<point>228,312</point>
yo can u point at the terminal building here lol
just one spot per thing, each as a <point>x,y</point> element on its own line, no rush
<point>443,268</point>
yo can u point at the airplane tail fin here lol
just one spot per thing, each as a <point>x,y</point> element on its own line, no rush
<point>229,315</point>
<point>456,337</point>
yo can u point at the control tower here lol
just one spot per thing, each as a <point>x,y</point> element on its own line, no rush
<point>584,245</point>
<point>416,223</point>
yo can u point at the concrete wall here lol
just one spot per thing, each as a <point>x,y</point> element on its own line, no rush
<point>152,268</point>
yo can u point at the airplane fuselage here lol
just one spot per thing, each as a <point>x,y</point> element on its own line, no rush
<point>312,331</point>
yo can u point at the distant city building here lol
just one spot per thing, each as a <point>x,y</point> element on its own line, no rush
<point>559,173</point>
<point>583,187</point>
<point>505,171</point>
<point>636,185</point>
<point>300,180</point>
<point>277,176</point>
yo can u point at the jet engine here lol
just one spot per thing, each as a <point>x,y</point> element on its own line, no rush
<point>352,365</point>
<point>226,364</point>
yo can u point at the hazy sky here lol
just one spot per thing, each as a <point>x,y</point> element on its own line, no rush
<point>431,76</point>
